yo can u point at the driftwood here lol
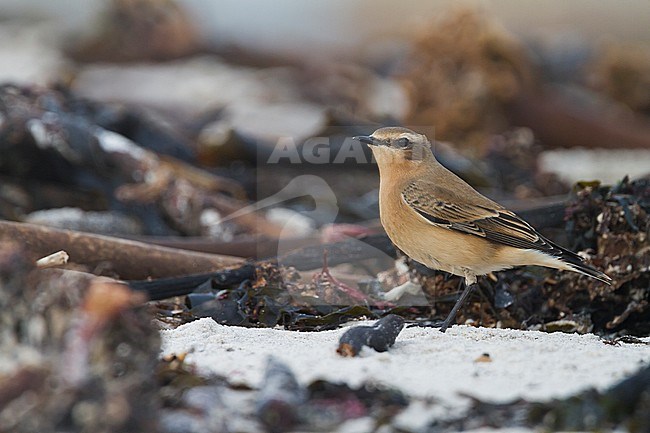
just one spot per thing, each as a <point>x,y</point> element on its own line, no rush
<point>254,247</point>
<point>178,286</point>
<point>59,258</point>
<point>306,258</point>
<point>129,259</point>
<point>154,290</point>
<point>311,257</point>
<point>558,122</point>
<point>72,277</point>
<point>177,272</point>
<point>542,213</point>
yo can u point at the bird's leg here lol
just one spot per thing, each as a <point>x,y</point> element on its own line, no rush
<point>459,303</point>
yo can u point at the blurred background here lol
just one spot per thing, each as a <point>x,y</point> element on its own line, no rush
<point>224,127</point>
<point>523,101</point>
<point>291,26</point>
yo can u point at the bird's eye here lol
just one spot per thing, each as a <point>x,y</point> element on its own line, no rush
<point>402,143</point>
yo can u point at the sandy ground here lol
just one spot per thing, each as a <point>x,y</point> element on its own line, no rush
<point>575,165</point>
<point>424,363</point>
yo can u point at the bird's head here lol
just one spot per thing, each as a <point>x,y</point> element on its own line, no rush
<point>398,146</point>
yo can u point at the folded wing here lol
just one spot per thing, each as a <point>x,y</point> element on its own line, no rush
<point>486,219</point>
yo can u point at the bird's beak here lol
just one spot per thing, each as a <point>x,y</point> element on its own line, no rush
<point>365,139</point>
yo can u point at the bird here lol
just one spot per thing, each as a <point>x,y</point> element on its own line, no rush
<point>439,220</point>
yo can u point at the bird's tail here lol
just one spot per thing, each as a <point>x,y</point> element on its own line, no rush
<point>576,263</point>
<point>592,272</point>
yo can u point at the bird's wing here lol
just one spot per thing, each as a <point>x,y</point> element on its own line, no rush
<point>481,217</point>
<point>467,211</point>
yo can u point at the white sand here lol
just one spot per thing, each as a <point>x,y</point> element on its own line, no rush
<point>607,165</point>
<point>424,362</point>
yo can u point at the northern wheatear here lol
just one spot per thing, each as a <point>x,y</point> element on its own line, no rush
<point>436,218</point>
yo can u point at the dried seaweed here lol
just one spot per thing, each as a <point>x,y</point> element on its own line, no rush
<point>512,158</point>
<point>462,74</point>
<point>52,136</point>
<point>622,72</point>
<point>341,402</point>
<point>611,225</point>
<point>281,403</point>
<point>623,406</point>
<point>137,30</point>
<point>280,397</point>
<point>70,345</point>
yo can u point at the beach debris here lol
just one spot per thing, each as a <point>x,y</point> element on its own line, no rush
<point>512,158</point>
<point>623,406</point>
<point>580,323</point>
<point>125,258</point>
<point>622,72</point>
<point>608,221</point>
<point>139,30</point>
<point>55,259</point>
<point>55,137</point>
<point>150,159</point>
<point>332,289</point>
<point>471,78</point>
<point>484,358</point>
<point>462,74</point>
<point>175,377</point>
<point>280,397</point>
<point>609,224</point>
<point>331,403</point>
<point>194,403</point>
<point>107,223</point>
<point>629,339</point>
<point>380,336</point>
<point>77,354</point>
